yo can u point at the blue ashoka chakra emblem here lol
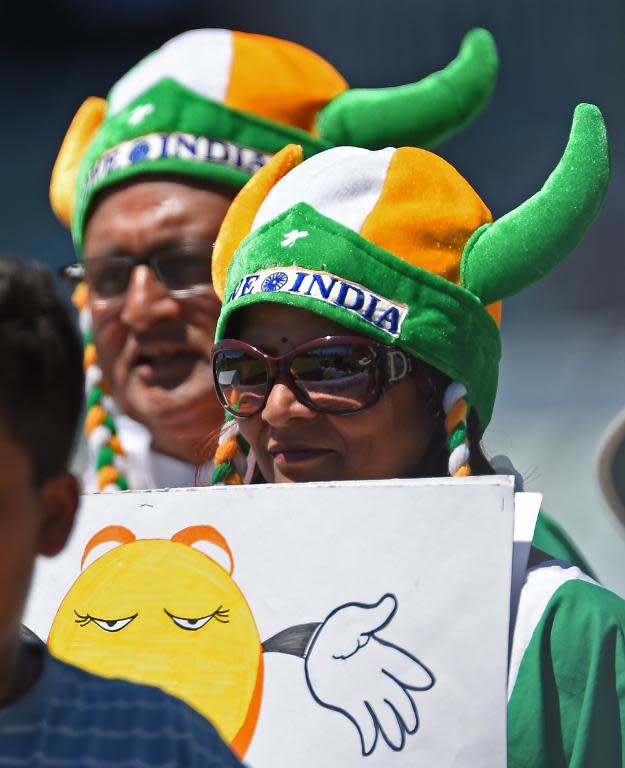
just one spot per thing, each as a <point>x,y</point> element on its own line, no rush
<point>274,282</point>
<point>139,152</point>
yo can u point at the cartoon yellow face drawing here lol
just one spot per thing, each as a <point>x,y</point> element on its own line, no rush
<point>163,613</point>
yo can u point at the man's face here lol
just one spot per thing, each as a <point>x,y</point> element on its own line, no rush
<point>154,349</point>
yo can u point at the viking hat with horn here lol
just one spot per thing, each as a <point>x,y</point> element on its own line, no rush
<point>217,104</point>
<point>397,246</point>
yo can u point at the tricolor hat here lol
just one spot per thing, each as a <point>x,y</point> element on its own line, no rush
<point>397,246</point>
<point>217,104</point>
<point>611,465</point>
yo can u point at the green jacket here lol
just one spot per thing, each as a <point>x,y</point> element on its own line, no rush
<point>567,673</point>
<point>552,539</point>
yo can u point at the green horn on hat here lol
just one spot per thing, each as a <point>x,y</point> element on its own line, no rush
<point>502,258</point>
<point>419,114</point>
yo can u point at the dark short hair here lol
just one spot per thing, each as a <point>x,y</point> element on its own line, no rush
<point>41,374</point>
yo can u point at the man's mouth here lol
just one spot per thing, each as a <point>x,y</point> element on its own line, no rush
<point>167,366</point>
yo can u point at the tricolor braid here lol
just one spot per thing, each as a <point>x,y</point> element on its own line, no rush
<point>105,450</point>
<point>231,446</point>
<point>456,410</point>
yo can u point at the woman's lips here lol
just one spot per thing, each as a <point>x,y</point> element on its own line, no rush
<point>296,454</point>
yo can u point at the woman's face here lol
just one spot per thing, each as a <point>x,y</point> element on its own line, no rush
<point>295,444</point>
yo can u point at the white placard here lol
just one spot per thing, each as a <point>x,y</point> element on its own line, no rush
<point>388,604</point>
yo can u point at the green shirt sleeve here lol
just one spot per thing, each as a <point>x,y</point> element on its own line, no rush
<point>567,708</point>
<point>552,539</point>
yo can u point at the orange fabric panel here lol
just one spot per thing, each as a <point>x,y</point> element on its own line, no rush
<point>280,80</point>
<point>426,212</point>
<point>65,172</point>
<point>495,311</point>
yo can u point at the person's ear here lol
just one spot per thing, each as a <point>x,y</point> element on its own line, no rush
<point>59,499</point>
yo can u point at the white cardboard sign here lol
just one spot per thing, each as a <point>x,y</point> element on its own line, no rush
<point>317,624</point>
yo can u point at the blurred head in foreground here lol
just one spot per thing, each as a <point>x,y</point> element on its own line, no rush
<point>41,396</point>
<point>50,710</point>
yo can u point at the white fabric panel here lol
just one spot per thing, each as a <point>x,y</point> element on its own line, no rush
<point>200,60</point>
<point>541,584</point>
<point>343,183</point>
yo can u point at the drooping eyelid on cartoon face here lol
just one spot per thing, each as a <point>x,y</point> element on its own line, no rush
<point>108,625</point>
<point>222,615</point>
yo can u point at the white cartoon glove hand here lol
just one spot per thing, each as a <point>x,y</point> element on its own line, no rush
<point>369,680</point>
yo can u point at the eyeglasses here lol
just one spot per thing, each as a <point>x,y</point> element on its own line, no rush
<point>185,270</point>
<point>336,374</point>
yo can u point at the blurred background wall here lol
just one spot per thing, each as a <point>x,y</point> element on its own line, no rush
<point>563,370</point>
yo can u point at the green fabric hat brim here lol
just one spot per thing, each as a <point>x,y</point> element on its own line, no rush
<point>177,109</point>
<point>445,325</point>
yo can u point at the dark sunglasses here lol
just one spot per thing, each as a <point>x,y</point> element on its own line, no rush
<point>185,270</point>
<point>336,374</point>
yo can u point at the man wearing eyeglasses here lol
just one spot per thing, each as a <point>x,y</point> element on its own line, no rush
<point>147,258</point>
<point>145,178</point>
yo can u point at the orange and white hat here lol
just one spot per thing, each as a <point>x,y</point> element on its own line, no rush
<point>397,246</point>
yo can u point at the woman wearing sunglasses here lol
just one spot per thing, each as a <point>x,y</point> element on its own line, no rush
<point>359,339</point>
